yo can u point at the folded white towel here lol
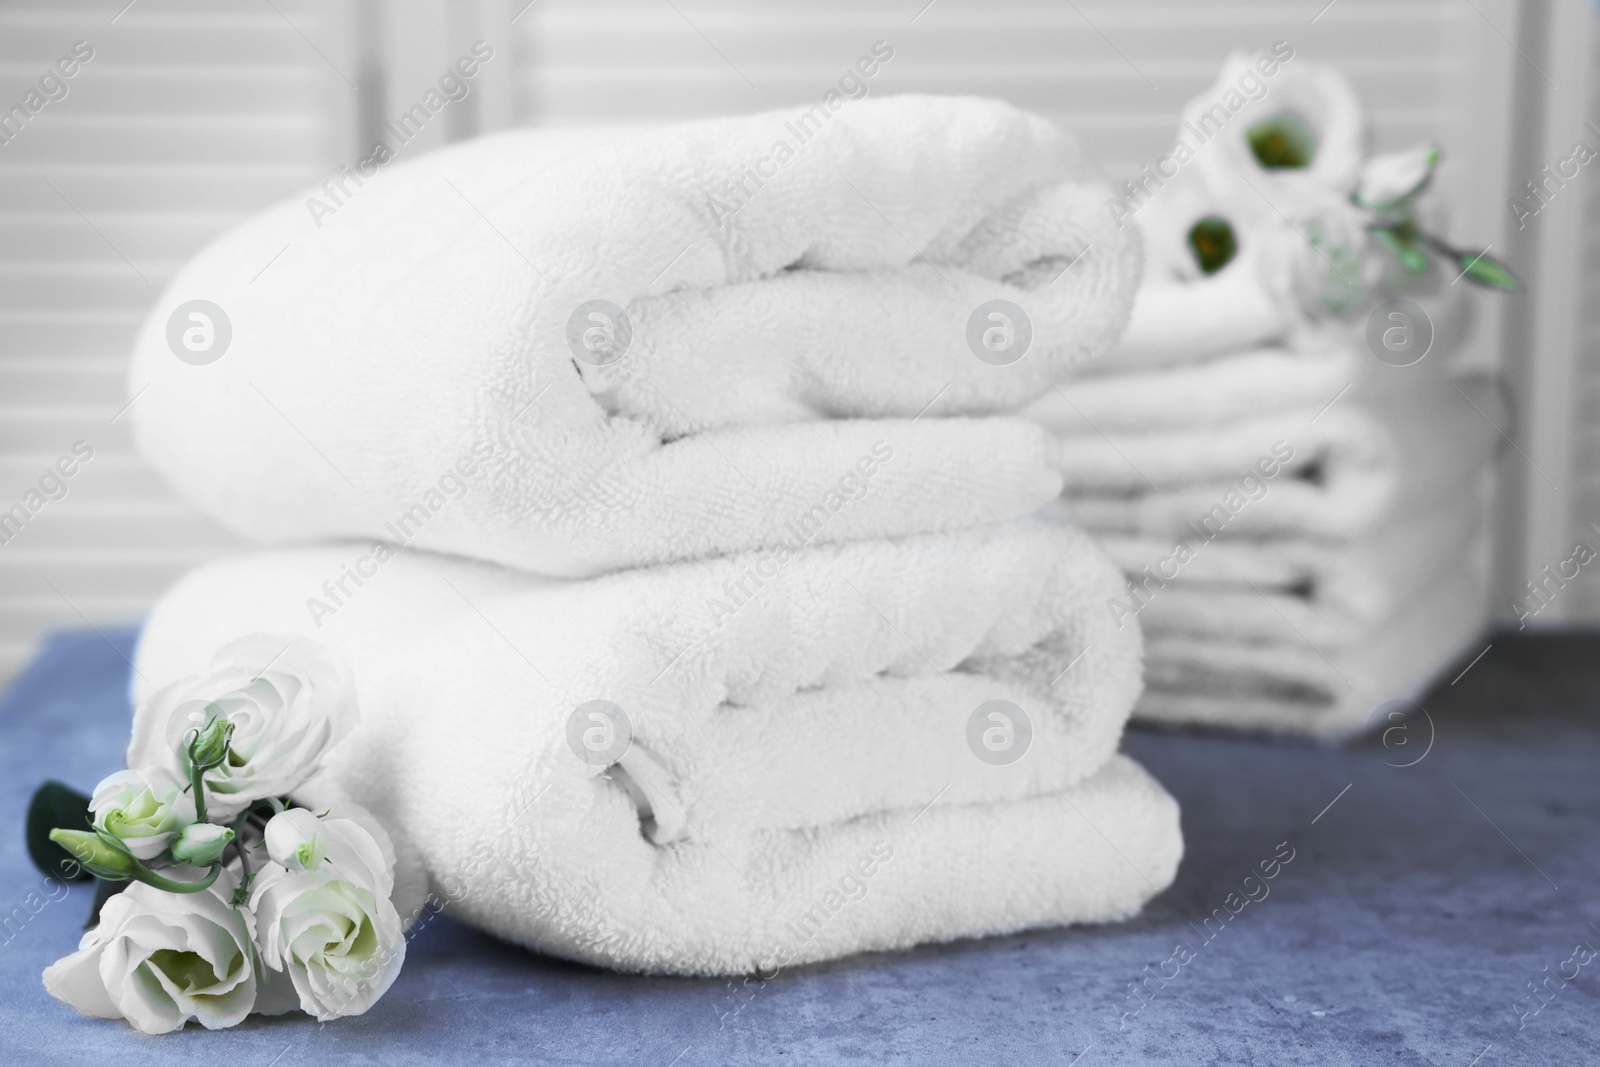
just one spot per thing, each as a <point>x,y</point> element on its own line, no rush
<point>1237,386</point>
<point>788,712</point>
<point>445,317</point>
<point>1334,473</point>
<point>1179,323</point>
<point>1174,324</point>
<point>1294,687</point>
<point>1332,594</point>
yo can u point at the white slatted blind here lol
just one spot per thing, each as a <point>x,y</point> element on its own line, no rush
<point>1115,72</point>
<point>189,116</point>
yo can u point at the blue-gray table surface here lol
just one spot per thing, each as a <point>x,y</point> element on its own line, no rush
<point>1421,904</point>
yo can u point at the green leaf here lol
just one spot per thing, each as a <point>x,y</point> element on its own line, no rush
<point>56,806</point>
<point>1485,270</point>
<point>1213,242</point>
<point>1283,142</point>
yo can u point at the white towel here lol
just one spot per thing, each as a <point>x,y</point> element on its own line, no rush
<point>773,745</point>
<point>769,300</point>
<point>1179,323</point>
<point>1229,388</point>
<point>1337,473</point>
<point>1294,687</point>
<point>1271,589</point>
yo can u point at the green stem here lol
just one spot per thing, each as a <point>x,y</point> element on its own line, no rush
<point>197,781</point>
<point>141,873</point>
<point>1439,246</point>
<point>239,846</point>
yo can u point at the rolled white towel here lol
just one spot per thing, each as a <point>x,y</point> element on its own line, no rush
<point>656,344</point>
<point>833,706</point>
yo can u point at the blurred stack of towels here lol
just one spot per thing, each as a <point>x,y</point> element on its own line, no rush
<point>1285,464</point>
<point>676,521</point>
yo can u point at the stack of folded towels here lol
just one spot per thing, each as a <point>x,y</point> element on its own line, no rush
<point>681,546</point>
<point>1297,510</point>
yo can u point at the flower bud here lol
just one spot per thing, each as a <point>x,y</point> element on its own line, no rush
<point>210,745</point>
<point>297,839</point>
<point>201,844</point>
<point>95,855</point>
<point>1388,179</point>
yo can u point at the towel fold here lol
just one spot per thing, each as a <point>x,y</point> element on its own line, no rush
<point>788,711</point>
<point>1294,687</point>
<point>1334,474</point>
<point>1182,323</point>
<point>1173,325</point>
<point>1239,385</point>
<point>650,345</point>
<point>1331,594</point>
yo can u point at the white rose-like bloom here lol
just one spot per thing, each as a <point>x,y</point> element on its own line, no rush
<point>1165,221</point>
<point>159,959</point>
<point>329,922</point>
<point>1319,96</point>
<point>145,809</point>
<point>288,700</point>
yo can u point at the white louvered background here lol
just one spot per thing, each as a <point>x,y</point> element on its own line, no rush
<point>1116,73</point>
<point>194,113</point>
<point>190,116</point>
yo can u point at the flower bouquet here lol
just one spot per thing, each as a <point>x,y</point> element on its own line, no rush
<point>221,894</point>
<point>1269,172</point>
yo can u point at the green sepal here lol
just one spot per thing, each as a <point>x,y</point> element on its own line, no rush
<point>241,894</point>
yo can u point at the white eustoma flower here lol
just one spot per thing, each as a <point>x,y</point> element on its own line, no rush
<point>328,922</point>
<point>287,700</point>
<point>1165,222</point>
<point>146,809</point>
<point>1299,96</point>
<point>159,959</point>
